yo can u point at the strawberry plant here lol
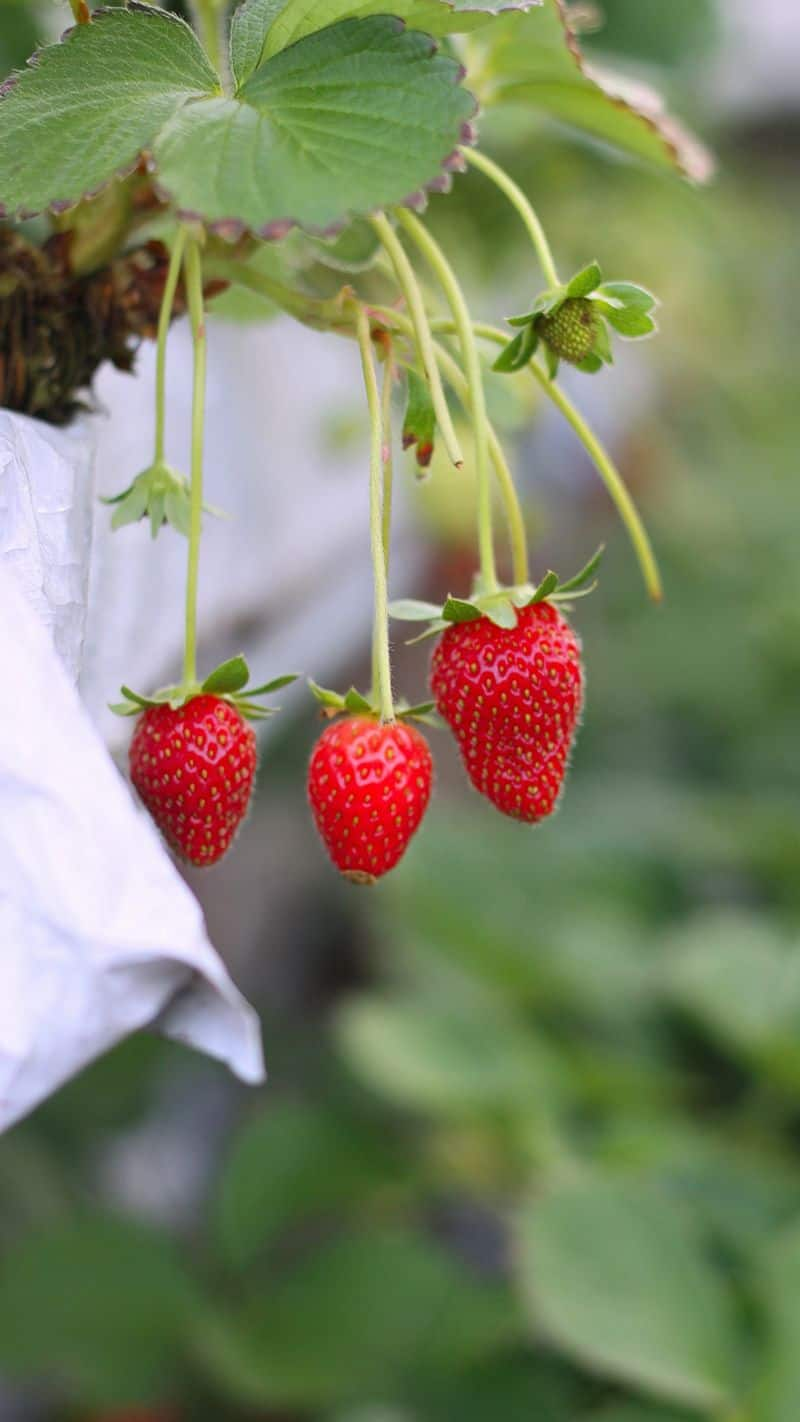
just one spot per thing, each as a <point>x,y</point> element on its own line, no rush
<point>174,160</point>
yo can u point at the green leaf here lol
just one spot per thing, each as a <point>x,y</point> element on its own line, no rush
<point>741,983</point>
<point>536,59</point>
<point>228,677</point>
<point>419,423</point>
<point>355,1318</point>
<point>589,365</point>
<point>89,105</point>
<point>502,613</point>
<point>354,701</point>
<point>409,610</point>
<point>516,355</point>
<point>457,609</point>
<point>437,625</point>
<point>602,344</point>
<point>262,28</point>
<point>325,697</point>
<point>547,586</point>
<point>101,1306</point>
<point>628,321</point>
<point>552,362</point>
<point>586,573</point>
<point>355,117</point>
<point>177,508</point>
<point>272,1179</point>
<point>275,685</point>
<point>443,1058</point>
<point>156,506</point>
<point>777,1390</point>
<point>420,711</point>
<point>354,250</point>
<point>627,294</point>
<point>585,281</point>
<point>141,701</point>
<point>615,1274</point>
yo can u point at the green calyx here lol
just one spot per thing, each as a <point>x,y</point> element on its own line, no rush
<point>572,323</point>
<point>500,607</point>
<point>353,703</point>
<point>228,681</point>
<point>159,494</point>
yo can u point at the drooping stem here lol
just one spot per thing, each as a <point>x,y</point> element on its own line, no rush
<point>194,292</point>
<point>457,381</point>
<point>525,209</point>
<point>386,450</point>
<point>380,627</point>
<point>611,478</point>
<point>514,517</point>
<point>165,316</point>
<point>439,264</point>
<point>409,286</point>
<point>208,18</point>
<point>599,455</point>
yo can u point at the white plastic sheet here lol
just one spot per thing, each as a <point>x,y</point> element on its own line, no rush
<point>99,936</point>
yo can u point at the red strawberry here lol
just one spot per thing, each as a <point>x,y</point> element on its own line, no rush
<point>194,769</point>
<point>368,787</point>
<point>512,698</point>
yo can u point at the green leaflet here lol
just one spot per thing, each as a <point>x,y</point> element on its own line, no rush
<point>357,116</point>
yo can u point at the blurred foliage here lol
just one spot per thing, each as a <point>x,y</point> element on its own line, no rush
<point>543,1162</point>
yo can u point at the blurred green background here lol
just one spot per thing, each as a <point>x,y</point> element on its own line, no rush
<point>530,1148</point>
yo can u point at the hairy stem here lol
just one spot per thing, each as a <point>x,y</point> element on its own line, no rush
<point>165,316</point>
<point>408,284</point>
<point>518,200</point>
<point>208,20</point>
<point>457,381</point>
<point>612,479</point>
<point>194,291</point>
<point>380,627</point>
<point>386,450</point>
<point>439,264</point>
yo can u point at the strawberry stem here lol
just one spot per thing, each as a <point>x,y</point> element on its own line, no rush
<point>380,628</point>
<point>439,264</point>
<point>517,198</point>
<point>165,316</point>
<point>194,291</point>
<point>386,450</point>
<point>409,286</point>
<point>457,381</point>
<point>611,478</point>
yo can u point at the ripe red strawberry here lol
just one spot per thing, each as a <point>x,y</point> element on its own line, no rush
<point>368,787</point>
<point>512,698</point>
<point>194,769</point>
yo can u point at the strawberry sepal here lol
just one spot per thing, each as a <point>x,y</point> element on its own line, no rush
<point>228,681</point>
<point>501,606</point>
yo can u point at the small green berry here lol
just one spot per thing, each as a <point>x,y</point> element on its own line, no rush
<point>571,331</point>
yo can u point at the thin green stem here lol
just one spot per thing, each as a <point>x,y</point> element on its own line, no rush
<point>514,517</point>
<point>612,479</point>
<point>194,291</point>
<point>458,382</point>
<point>439,264</point>
<point>208,19</point>
<point>599,455</point>
<point>386,451</point>
<point>380,628</point>
<point>525,209</point>
<point>165,316</point>
<point>409,286</point>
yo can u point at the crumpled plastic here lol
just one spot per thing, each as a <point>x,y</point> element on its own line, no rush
<point>99,935</point>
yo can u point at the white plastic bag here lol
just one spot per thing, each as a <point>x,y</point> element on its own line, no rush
<point>99,935</point>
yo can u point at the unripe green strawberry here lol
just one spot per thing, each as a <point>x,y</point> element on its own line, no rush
<point>572,330</point>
